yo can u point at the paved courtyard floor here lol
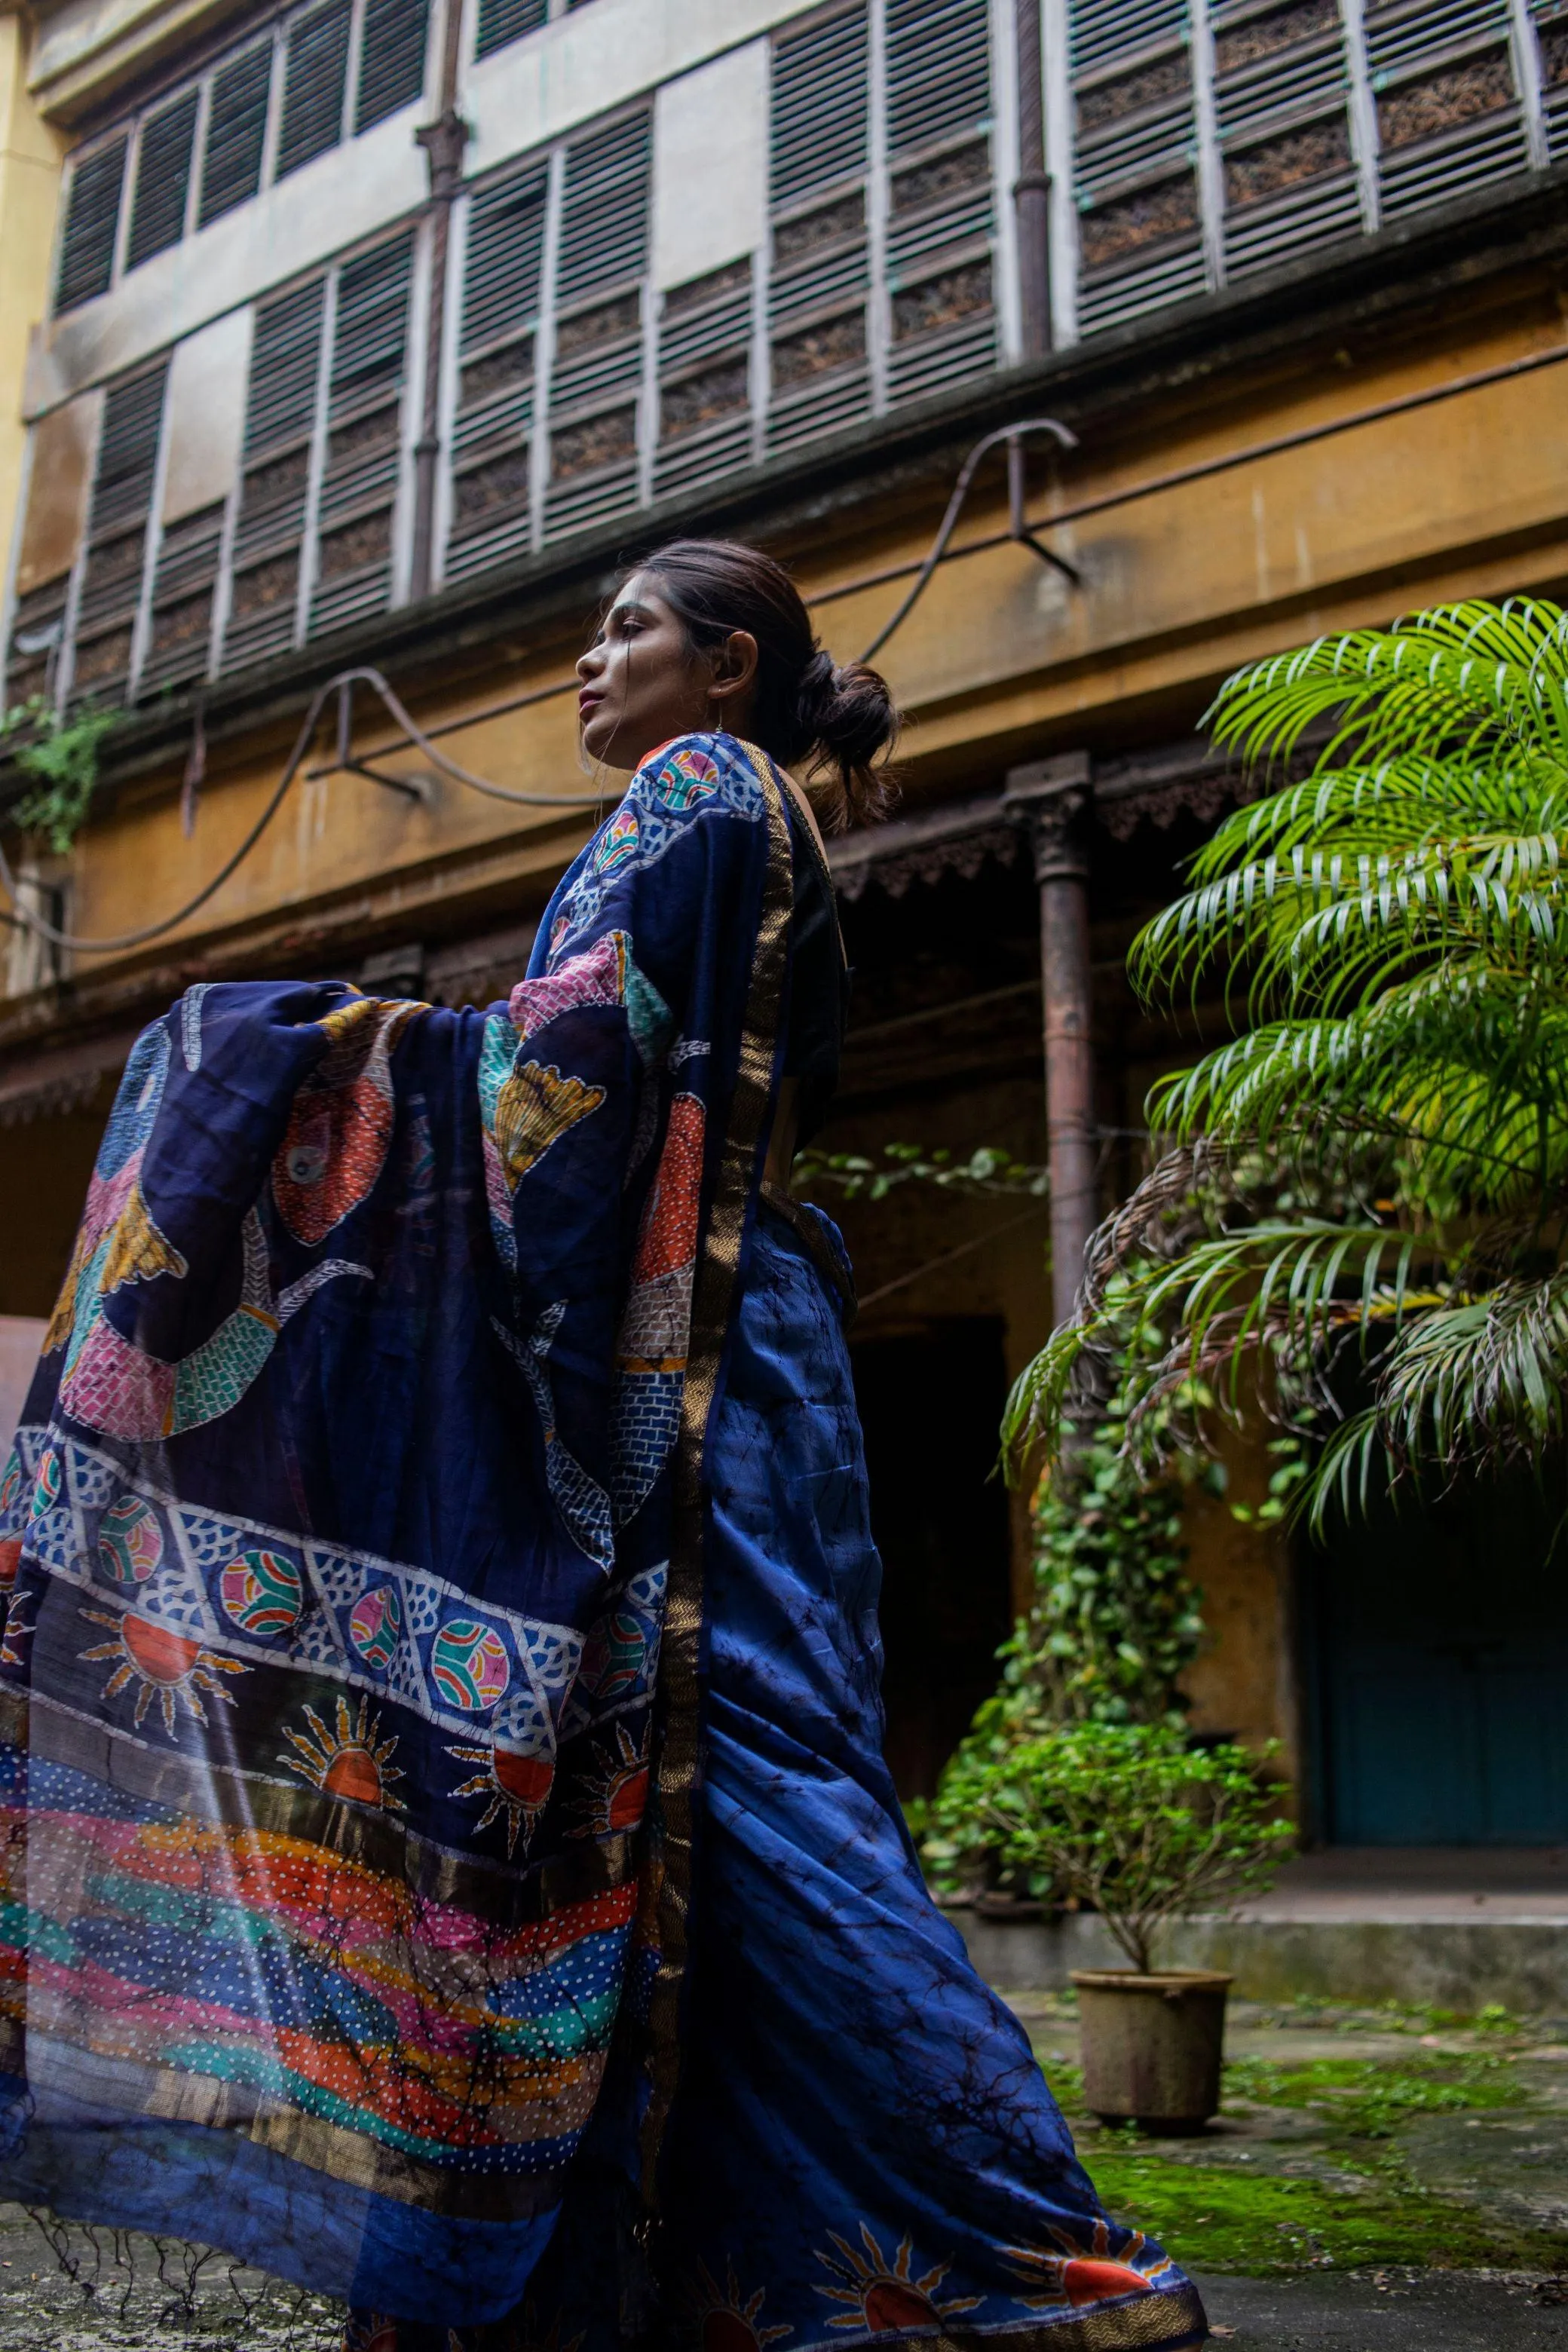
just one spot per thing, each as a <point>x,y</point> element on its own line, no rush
<point>1389,2181</point>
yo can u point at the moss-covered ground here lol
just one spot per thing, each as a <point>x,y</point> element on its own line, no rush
<point>1347,2138</point>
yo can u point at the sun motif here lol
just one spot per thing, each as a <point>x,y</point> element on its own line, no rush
<point>1083,2269</point>
<point>354,1764</point>
<point>722,2322</point>
<point>880,2294</point>
<point>617,1798</point>
<point>173,1668</point>
<point>515,1785</point>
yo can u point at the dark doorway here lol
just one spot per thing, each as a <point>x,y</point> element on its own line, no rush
<point>931,1405</point>
<point>1442,1650</point>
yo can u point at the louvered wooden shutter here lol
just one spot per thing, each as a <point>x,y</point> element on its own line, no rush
<point>597,371</point>
<point>315,73</point>
<point>1551,47</point>
<point>1135,178</point>
<point>1448,116</point>
<point>285,365</point>
<point>820,102</point>
<point>1282,106</point>
<point>507,20</point>
<point>359,479</point>
<point>603,220</point>
<point>704,380</point>
<point>940,210</point>
<point>32,653</point>
<point>93,224</point>
<point>182,587</point>
<point>392,58</point>
<point>163,179</point>
<point>492,433</point>
<point>117,531</point>
<point>818,160</point>
<point>236,133</point>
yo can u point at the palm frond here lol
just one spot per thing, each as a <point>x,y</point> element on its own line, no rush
<point>1393,928</point>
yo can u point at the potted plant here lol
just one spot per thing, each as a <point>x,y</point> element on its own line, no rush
<point>1132,1820</point>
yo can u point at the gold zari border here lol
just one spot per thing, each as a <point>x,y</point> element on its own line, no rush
<point>714,1302</point>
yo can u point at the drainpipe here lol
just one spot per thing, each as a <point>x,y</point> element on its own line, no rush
<point>442,142</point>
<point>1050,798</point>
<point>1031,189</point>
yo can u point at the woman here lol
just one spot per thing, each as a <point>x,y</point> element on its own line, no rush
<point>452,1860</point>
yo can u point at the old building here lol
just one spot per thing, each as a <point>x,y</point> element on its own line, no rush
<point>379,330</point>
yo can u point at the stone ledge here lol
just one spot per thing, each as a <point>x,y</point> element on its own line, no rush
<point>1521,1963</point>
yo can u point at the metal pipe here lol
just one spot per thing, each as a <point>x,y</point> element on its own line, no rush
<point>1202,470</point>
<point>1032,188</point>
<point>442,142</point>
<point>1052,796</point>
<point>1071,1148</point>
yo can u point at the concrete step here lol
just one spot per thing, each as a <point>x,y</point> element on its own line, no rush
<point>1441,1962</point>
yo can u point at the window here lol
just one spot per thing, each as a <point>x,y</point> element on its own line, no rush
<point>93,224</point>
<point>163,179</point>
<point>110,593</point>
<point>882,285</point>
<point>507,20</point>
<point>308,60</point>
<point>315,73</point>
<point>596,380</point>
<point>492,433</point>
<point>361,457</point>
<point>236,133</point>
<point>820,278</point>
<point>1211,138</point>
<point>1448,112</point>
<point>392,67</point>
<point>1282,99</point>
<point>275,477</point>
<point>704,379</point>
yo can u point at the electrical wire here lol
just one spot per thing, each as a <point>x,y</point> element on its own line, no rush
<point>1009,432</point>
<point>344,681</point>
<point>343,684</point>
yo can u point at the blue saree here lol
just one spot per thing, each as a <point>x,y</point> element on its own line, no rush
<point>450,1860</point>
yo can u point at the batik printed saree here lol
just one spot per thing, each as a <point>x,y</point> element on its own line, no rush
<point>359,1674</point>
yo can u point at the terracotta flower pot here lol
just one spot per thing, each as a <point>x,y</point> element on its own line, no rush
<point>1152,2045</point>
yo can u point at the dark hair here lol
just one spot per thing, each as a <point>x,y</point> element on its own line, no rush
<point>808,707</point>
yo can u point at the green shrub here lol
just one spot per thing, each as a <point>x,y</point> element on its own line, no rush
<point>1132,1821</point>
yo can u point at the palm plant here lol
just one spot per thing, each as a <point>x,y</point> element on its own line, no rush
<point>1376,1165</point>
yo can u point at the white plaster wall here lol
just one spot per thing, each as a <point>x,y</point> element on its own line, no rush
<point>572,70</point>
<point>344,195</point>
<point>209,376</point>
<point>709,165</point>
<point>596,58</point>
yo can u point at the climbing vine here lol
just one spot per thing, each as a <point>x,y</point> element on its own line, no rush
<point>58,754</point>
<point>1113,1618</point>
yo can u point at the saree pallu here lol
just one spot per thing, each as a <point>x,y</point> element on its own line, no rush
<point>438,1530</point>
<point>862,2147</point>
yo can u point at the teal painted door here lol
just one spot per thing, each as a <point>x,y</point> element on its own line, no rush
<point>1443,1674</point>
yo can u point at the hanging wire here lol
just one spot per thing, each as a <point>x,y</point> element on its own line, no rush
<point>1013,435</point>
<point>344,683</point>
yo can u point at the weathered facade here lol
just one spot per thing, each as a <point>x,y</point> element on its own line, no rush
<point>380,330</point>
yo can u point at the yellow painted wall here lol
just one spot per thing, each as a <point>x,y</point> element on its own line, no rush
<point>29,181</point>
<point>1465,495</point>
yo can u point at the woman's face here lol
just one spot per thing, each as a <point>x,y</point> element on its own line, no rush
<point>644,682</point>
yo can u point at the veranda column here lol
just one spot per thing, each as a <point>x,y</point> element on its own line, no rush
<point>1051,798</point>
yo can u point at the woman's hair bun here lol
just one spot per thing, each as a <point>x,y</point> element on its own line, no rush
<point>839,720</point>
<point>848,714</point>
